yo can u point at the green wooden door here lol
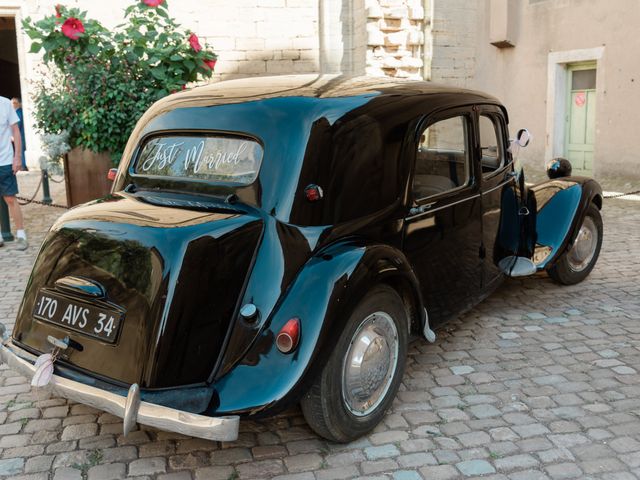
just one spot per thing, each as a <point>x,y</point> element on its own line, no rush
<point>581,118</point>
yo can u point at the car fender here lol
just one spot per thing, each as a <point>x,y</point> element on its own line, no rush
<point>322,296</point>
<point>561,205</point>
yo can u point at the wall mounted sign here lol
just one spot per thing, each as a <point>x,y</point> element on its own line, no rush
<point>581,99</point>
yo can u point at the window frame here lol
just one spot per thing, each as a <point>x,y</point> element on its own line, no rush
<point>496,113</point>
<point>467,115</point>
<point>496,121</point>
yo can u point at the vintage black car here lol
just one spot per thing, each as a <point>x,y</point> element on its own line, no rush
<point>277,240</point>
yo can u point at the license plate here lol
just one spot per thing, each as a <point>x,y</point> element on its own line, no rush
<point>86,318</point>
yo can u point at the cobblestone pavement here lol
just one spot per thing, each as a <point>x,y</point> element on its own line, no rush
<point>539,381</point>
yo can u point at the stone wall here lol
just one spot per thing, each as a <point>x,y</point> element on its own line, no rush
<point>395,38</point>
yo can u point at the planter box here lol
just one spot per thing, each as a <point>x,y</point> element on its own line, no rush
<point>85,175</point>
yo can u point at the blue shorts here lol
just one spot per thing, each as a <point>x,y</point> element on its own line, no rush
<point>8,182</point>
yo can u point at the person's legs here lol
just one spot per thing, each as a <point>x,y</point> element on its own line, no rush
<point>9,190</point>
<point>14,211</point>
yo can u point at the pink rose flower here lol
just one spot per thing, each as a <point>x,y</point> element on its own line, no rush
<point>210,64</point>
<point>153,3</point>
<point>194,42</point>
<point>72,28</point>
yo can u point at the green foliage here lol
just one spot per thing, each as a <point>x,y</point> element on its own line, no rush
<point>102,81</point>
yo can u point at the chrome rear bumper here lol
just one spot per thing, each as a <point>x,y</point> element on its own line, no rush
<point>129,408</point>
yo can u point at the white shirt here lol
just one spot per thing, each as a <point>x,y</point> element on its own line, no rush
<point>8,117</point>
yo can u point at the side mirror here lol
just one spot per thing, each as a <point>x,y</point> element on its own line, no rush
<point>523,137</point>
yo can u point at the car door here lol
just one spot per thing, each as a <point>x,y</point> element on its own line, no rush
<point>443,229</point>
<point>498,188</point>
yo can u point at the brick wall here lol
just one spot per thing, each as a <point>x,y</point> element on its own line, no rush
<point>251,37</point>
<point>453,36</point>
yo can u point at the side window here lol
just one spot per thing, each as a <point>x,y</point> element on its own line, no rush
<point>491,144</point>
<point>442,161</point>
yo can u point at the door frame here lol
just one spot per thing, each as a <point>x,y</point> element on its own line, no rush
<point>557,82</point>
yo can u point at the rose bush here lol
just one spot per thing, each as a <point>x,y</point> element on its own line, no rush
<point>103,80</point>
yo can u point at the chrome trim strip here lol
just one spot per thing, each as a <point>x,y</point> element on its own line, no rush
<point>222,429</point>
<point>498,186</point>
<point>477,195</point>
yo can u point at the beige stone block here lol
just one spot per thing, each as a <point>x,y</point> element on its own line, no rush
<point>396,12</point>
<point>375,37</point>
<point>227,67</point>
<point>271,3</point>
<point>291,54</point>
<point>222,43</point>
<point>374,11</point>
<point>236,55</point>
<point>253,66</point>
<point>244,43</point>
<point>412,62</point>
<point>391,24</point>
<point>305,43</point>
<point>396,39</point>
<point>284,27</point>
<point>374,71</point>
<point>233,29</point>
<point>391,3</point>
<point>416,12</point>
<point>415,37</point>
<point>392,62</point>
<point>252,14</point>
<point>305,66</point>
<point>280,66</point>
<point>278,43</point>
<point>377,63</point>
<point>379,52</point>
<point>259,55</point>
<point>303,3</point>
<point>400,73</point>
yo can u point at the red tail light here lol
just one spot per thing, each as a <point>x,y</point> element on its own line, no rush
<point>112,174</point>
<point>289,336</point>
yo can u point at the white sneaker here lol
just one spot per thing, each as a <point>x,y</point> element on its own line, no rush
<point>21,243</point>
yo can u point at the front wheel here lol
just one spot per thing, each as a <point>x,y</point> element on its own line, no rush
<point>576,263</point>
<point>364,371</point>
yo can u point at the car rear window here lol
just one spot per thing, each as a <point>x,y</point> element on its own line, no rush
<point>220,159</point>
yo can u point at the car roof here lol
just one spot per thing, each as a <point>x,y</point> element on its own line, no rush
<point>290,114</point>
<point>313,86</point>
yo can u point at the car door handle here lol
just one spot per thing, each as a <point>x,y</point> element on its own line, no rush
<point>420,209</point>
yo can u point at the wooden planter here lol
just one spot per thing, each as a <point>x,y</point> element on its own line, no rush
<point>85,175</point>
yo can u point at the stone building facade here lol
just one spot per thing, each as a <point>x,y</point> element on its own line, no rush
<point>522,51</point>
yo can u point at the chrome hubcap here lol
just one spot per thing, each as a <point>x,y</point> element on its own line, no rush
<point>370,364</point>
<point>584,248</point>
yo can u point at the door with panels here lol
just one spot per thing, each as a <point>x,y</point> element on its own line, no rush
<point>581,118</point>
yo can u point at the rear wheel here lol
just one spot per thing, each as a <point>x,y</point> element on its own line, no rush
<point>362,376</point>
<point>577,262</point>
